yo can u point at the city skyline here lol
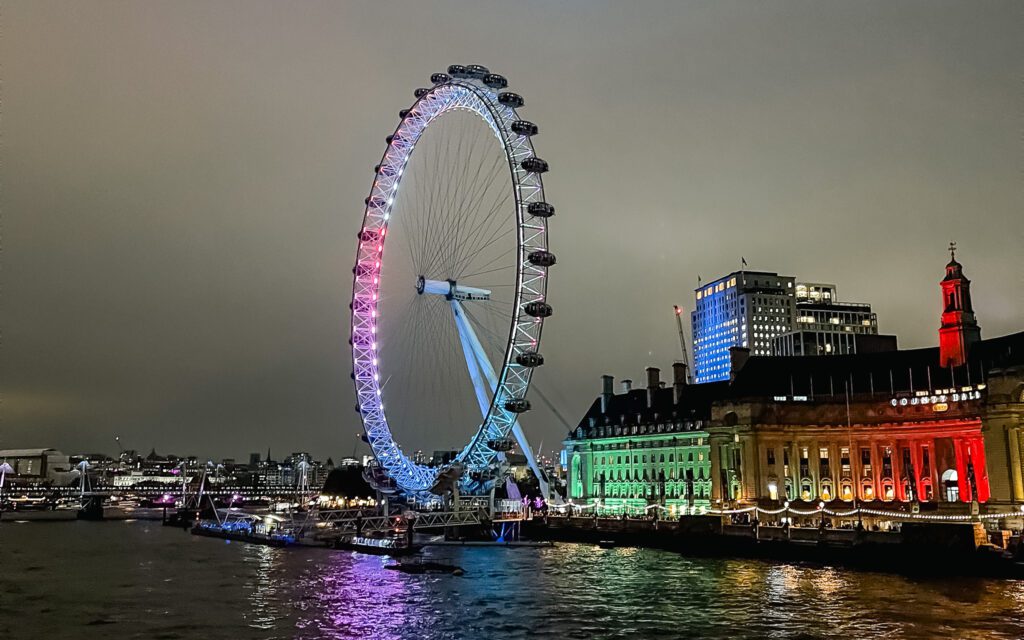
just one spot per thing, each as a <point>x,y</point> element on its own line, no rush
<point>183,185</point>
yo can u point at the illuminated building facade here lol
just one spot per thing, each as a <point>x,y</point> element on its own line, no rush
<point>745,309</point>
<point>887,429</point>
<point>643,447</point>
<point>921,427</point>
<point>914,432</point>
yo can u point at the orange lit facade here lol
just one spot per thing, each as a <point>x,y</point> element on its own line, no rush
<point>769,452</point>
<point>932,428</point>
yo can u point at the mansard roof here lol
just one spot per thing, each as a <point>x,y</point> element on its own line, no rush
<point>694,404</point>
<point>814,377</point>
<point>883,372</point>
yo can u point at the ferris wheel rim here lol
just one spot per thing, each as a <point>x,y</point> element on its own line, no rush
<point>525,327</point>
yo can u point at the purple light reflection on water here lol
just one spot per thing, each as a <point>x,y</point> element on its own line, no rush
<point>147,581</point>
<point>362,598</point>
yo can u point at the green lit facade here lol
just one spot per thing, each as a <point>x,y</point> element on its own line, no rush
<point>641,448</point>
<point>670,468</point>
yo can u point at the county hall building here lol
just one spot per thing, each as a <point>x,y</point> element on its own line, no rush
<point>933,429</point>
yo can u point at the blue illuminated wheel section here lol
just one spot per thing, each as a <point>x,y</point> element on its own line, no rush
<point>449,290</point>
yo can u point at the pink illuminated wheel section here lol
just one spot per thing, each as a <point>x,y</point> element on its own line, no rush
<point>449,291</point>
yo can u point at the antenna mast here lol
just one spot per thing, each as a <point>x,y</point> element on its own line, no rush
<point>682,342</point>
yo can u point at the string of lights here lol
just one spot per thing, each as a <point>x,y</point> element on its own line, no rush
<point>786,509</point>
<point>894,515</point>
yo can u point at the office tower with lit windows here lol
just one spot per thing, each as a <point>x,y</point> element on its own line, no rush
<point>746,309</point>
<point>824,326</point>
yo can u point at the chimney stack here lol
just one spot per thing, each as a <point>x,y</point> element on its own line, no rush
<point>607,384</point>
<point>627,385</point>
<point>678,380</point>
<point>653,384</point>
<point>738,357</point>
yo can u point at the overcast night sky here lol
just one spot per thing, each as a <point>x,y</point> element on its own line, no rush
<point>182,183</point>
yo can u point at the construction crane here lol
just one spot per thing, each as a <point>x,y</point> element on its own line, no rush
<point>682,342</point>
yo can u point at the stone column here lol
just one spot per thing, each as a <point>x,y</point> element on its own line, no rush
<point>876,470</point>
<point>855,469</point>
<point>915,462</point>
<point>963,486</point>
<point>898,471</point>
<point>980,469</point>
<point>714,452</point>
<point>1016,481</point>
<point>794,467</point>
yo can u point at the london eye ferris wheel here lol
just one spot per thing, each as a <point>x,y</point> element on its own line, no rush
<point>450,284</point>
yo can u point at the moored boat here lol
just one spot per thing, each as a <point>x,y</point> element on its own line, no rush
<point>392,545</point>
<point>426,567</point>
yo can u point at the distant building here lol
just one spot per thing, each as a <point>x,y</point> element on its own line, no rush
<point>743,309</point>
<point>770,314</point>
<point>518,468</point>
<point>443,457</point>
<point>824,326</point>
<point>37,465</point>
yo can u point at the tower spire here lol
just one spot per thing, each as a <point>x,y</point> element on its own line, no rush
<point>959,328</point>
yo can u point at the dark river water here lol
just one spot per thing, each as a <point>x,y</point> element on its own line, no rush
<point>140,580</point>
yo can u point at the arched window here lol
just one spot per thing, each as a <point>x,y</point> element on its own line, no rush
<point>888,491</point>
<point>926,489</point>
<point>826,490</point>
<point>867,490</point>
<point>908,489</point>
<point>806,491</point>
<point>846,491</point>
<point>951,485</point>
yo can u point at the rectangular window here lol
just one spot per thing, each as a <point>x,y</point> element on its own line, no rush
<point>771,455</point>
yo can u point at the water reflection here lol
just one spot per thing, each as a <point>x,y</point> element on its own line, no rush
<point>146,582</point>
<point>356,597</point>
<point>264,584</point>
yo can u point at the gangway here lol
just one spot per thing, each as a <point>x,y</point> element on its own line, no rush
<point>325,527</point>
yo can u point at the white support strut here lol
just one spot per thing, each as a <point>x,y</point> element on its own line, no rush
<point>467,334</point>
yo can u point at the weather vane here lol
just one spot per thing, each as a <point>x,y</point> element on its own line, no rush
<point>952,250</point>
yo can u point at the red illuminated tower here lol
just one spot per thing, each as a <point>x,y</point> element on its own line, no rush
<point>959,327</point>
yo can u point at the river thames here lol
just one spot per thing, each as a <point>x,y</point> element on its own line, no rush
<point>141,580</point>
